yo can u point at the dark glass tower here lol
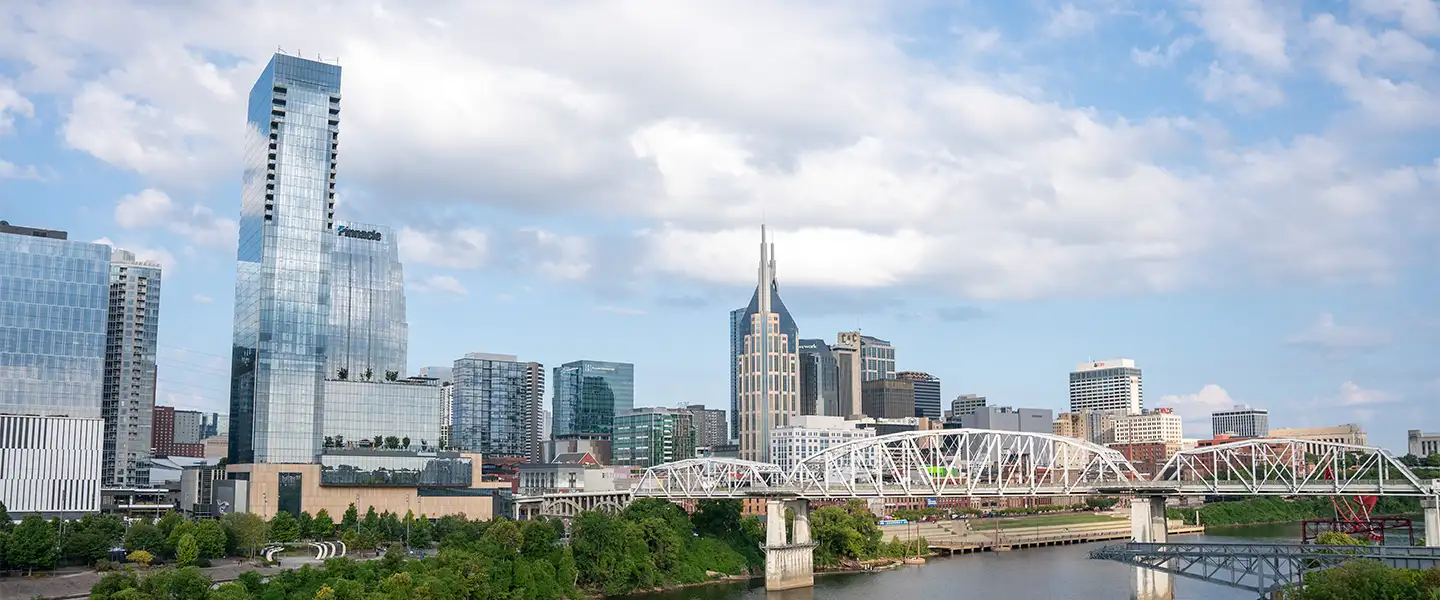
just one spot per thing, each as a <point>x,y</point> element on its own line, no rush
<point>282,285</point>
<point>589,394</point>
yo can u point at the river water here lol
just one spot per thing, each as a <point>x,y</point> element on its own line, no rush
<point>1056,573</point>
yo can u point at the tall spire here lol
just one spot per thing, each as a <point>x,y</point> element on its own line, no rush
<point>764,403</point>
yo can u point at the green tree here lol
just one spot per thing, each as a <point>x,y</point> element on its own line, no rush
<point>210,538</point>
<point>323,525</point>
<point>372,519</point>
<point>4,549</point>
<point>172,542</point>
<point>350,519</point>
<point>169,522</point>
<point>306,523</point>
<point>187,551</point>
<point>144,536</point>
<point>5,523</point>
<point>284,527</point>
<point>32,544</point>
<point>539,539</point>
<point>392,442</point>
<point>245,532</point>
<point>405,442</point>
<point>229,591</point>
<point>140,557</point>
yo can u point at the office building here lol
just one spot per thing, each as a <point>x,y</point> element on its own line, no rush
<point>709,425</point>
<point>54,302</point>
<point>1241,422</point>
<point>964,404</point>
<point>927,393</point>
<point>1005,418</point>
<point>1107,385</point>
<point>877,356</point>
<point>1422,444</point>
<point>739,327</point>
<point>213,425</point>
<point>819,379</point>
<point>1159,425</point>
<point>848,374</point>
<point>357,412</point>
<point>1147,457</point>
<point>570,473</point>
<point>1340,434</point>
<point>887,398</point>
<point>597,445</point>
<point>807,435</point>
<point>1072,425</point>
<point>496,406</point>
<point>188,426</point>
<point>282,278</point>
<point>368,334</point>
<point>589,393</point>
<point>645,437</point>
<point>165,434</point>
<point>768,374</point>
<point>132,332</point>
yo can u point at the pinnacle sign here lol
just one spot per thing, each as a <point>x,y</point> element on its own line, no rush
<point>346,231</point>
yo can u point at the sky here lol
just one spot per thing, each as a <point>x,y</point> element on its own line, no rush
<point>1241,195</point>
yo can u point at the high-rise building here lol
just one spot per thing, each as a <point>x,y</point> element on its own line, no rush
<point>927,393</point>
<point>768,373</point>
<point>1005,418</point>
<point>214,424</point>
<point>964,404</point>
<point>589,393</point>
<point>1107,385</point>
<point>282,278</point>
<point>495,406</point>
<point>709,425</point>
<point>739,327</point>
<point>877,356</point>
<point>129,394</point>
<point>1242,421</point>
<point>848,372</point>
<point>368,333</point>
<point>888,398</point>
<point>533,391</point>
<point>187,426</point>
<point>645,437</point>
<point>808,435</point>
<point>1071,425</point>
<point>165,435</point>
<point>54,301</point>
<point>819,379</point>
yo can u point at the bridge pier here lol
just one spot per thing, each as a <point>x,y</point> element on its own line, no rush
<point>1149,525</point>
<point>1431,506</point>
<point>789,564</point>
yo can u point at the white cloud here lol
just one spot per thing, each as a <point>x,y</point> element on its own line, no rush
<point>1195,409</point>
<point>202,299</point>
<point>615,115</point>
<point>1325,333</point>
<point>1067,20</point>
<point>444,284</point>
<point>151,208</point>
<point>1421,17</point>
<point>9,170</point>
<point>144,253</point>
<point>1243,90</point>
<point>1389,75</point>
<point>1354,395</point>
<point>11,105</point>
<point>1156,57</point>
<point>1249,28</point>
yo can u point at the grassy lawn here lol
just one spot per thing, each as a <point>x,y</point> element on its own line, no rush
<point>1045,521</point>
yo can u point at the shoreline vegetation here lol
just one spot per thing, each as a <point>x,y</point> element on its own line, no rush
<point>1267,511</point>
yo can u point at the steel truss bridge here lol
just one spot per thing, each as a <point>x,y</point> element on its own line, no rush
<point>1261,568</point>
<point>988,463</point>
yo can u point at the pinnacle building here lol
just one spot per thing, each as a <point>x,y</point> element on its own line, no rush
<point>321,411</point>
<point>767,362</point>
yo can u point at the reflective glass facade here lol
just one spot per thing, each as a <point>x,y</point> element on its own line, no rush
<point>819,380</point>
<point>396,469</point>
<point>495,406</point>
<point>739,326</point>
<point>54,297</point>
<point>651,436</point>
<point>357,410</point>
<point>129,392</point>
<point>282,285</point>
<point>589,394</point>
<point>367,303</point>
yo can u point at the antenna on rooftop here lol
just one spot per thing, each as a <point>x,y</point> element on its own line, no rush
<point>279,48</point>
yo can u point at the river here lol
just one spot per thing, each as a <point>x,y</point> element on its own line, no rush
<point>1056,573</point>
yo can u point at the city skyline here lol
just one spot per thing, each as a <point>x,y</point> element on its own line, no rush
<point>1320,326</point>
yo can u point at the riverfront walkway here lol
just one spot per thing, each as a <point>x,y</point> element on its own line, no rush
<point>957,537</point>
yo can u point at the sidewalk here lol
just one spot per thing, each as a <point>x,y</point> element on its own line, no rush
<point>71,583</point>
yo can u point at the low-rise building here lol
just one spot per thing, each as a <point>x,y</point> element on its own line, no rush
<point>1242,421</point>
<point>1340,434</point>
<point>807,435</point>
<point>1005,418</point>
<point>567,473</point>
<point>1158,425</point>
<point>1071,425</point>
<point>964,404</point>
<point>887,398</point>
<point>645,437</point>
<point>1422,444</point>
<point>1148,457</point>
<point>597,445</point>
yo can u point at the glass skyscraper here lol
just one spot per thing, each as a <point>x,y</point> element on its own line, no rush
<point>367,303</point>
<point>129,392</point>
<point>739,326</point>
<point>282,280</point>
<point>54,298</point>
<point>589,394</point>
<point>496,406</point>
<point>819,380</point>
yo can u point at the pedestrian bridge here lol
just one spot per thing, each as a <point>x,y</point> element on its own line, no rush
<point>987,463</point>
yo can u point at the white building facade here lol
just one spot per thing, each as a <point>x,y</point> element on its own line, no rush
<point>1155,426</point>
<point>1108,385</point>
<point>807,435</point>
<point>1242,421</point>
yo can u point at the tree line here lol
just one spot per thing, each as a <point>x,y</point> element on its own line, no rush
<point>1277,510</point>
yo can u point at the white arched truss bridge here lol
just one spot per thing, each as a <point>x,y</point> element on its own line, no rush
<point>980,463</point>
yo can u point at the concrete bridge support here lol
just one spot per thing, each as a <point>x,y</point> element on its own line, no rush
<point>1148,525</point>
<point>789,564</point>
<point>1431,506</point>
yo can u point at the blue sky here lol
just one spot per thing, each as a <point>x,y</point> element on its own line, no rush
<point>1239,194</point>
